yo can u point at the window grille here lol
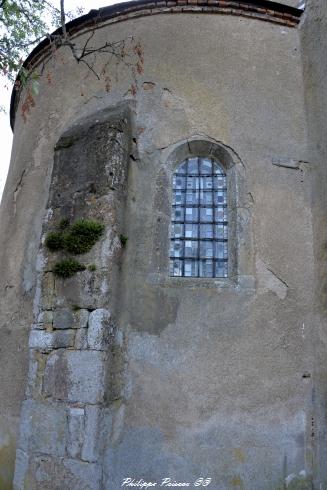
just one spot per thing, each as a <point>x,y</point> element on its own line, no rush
<point>199,231</point>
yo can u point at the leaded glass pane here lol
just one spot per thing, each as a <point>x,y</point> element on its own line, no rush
<point>206,249</point>
<point>191,230</point>
<point>206,231</point>
<point>191,214</point>
<point>206,268</point>
<point>179,182</point>
<point>206,197</point>
<point>192,197</point>
<point>191,268</point>
<point>177,230</point>
<point>205,166</point>
<point>176,267</point>
<point>199,229</point>
<point>206,214</point>
<point>192,166</point>
<point>178,214</point>
<point>191,248</point>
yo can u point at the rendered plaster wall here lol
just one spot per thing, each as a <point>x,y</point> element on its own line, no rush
<point>216,378</point>
<point>314,44</point>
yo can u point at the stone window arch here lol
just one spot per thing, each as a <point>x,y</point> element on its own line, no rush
<point>199,226</point>
<point>240,252</point>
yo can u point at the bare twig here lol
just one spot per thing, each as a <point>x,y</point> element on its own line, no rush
<point>63,18</point>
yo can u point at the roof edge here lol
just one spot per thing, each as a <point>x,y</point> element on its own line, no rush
<point>260,9</point>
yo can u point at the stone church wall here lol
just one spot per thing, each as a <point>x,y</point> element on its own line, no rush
<point>198,378</point>
<point>314,44</point>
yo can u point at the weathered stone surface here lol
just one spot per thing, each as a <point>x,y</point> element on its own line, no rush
<point>214,366</point>
<point>47,291</point>
<point>45,317</point>
<point>21,467</point>
<point>46,341</point>
<point>48,473</point>
<point>76,422</point>
<point>84,289</point>
<point>34,381</point>
<point>81,339</point>
<point>63,318</point>
<point>98,424</point>
<point>99,330</point>
<point>67,318</point>
<point>81,318</point>
<point>76,376</point>
<point>43,428</point>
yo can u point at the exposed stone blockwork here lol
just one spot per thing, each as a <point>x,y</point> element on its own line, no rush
<point>73,334</point>
<point>218,379</point>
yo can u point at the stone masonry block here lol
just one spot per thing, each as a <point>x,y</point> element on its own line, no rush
<point>90,451</point>
<point>48,290</point>
<point>99,330</point>
<point>81,318</point>
<point>98,427</point>
<point>45,317</point>
<point>85,476</point>
<point>75,376</point>
<point>66,318</point>
<point>63,318</point>
<point>76,418</point>
<point>43,428</point>
<point>46,341</point>
<point>49,473</point>
<point>81,339</point>
<point>33,386</point>
<point>21,467</point>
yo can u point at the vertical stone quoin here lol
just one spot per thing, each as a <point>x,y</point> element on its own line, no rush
<point>73,335</point>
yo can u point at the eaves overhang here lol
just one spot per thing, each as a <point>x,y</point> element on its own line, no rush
<point>264,10</point>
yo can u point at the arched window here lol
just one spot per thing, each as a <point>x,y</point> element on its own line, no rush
<point>199,230</point>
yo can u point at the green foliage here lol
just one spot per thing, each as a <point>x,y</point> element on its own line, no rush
<point>64,223</point>
<point>77,238</point>
<point>23,24</point>
<point>123,240</point>
<point>54,241</point>
<point>82,235</point>
<point>67,268</point>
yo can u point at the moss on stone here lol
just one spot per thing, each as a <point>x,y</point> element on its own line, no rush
<point>123,240</point>
<point>67,268</point>
<point>82,235</point>
<point>64,223</point>
<point>77,238</point>
<point>54,241</point>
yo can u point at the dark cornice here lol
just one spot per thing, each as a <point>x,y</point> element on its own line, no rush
<point>258,9</point>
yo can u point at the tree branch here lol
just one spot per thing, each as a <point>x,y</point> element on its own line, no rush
<point>63,18</point>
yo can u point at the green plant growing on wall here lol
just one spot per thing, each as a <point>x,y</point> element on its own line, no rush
<point>64,223</point>
<point>82,235</point>
<point>67,268</point>
<point>54,241</point>
<point>123,240</point>
<point>77,238</point>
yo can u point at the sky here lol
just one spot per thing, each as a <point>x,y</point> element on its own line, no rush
<point>5,92</point>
